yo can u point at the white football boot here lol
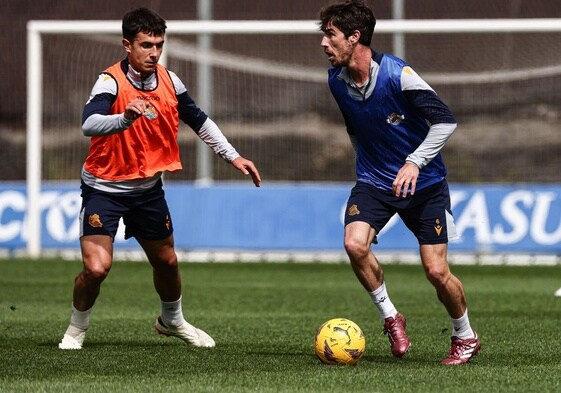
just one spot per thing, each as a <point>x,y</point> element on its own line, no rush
<point>73,338</point>
<point>186,332</point>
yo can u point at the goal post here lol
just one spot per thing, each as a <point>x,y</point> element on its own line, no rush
<point>37,30</point>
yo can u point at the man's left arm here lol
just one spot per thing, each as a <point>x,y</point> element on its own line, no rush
<point>429,105</point>
<point>442,124</point>
<point>209,132</point>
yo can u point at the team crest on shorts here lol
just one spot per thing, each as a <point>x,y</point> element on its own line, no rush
<point>353,210</point>
<point>95,221</point>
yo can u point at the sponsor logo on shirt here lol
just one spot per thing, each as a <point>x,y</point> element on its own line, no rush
<point>148,98</point>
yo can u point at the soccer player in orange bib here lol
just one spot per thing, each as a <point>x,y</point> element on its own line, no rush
<point>132,118</point>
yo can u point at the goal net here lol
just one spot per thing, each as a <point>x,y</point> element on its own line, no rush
<point>265,86</point>
<point>264,83</point>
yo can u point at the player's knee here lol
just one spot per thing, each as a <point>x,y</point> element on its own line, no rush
<point>167,263</point>
<point>438,274</point>
<point>94,274</point>
<point>355,248</point>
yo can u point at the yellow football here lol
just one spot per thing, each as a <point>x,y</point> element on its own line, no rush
<point>339,341</point>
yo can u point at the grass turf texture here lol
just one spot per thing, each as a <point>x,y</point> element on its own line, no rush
<point>263,318</point>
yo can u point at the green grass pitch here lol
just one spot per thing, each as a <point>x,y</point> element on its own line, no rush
<point>263,317</point>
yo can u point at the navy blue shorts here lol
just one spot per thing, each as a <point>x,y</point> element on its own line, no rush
<point>145,214</point>
<point>427,213</point>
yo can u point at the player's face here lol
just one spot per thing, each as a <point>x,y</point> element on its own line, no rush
<point>336,46</point>
<point>144,52</point>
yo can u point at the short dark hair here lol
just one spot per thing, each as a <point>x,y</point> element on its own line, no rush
<point>142,20</point>
<point>349,16</point>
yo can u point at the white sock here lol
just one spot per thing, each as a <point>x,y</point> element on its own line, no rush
<point>172,313</point>
<point>383,303</point>
<point>461,327</point>
<point>79,321</point>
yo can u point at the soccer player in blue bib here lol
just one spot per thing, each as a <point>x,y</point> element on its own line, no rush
<point>397,125</point>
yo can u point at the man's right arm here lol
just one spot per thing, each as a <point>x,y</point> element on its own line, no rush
<point>96,117</point>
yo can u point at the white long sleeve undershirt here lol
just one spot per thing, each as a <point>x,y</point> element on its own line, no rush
<point>100,125</point>
<point>215,139</point>
<point>434,142</point>
<point>210,133</point>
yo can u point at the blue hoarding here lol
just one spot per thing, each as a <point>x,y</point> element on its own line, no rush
<point>489,218</point>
